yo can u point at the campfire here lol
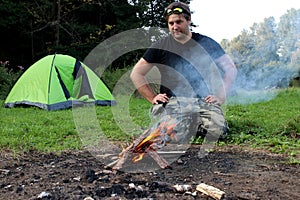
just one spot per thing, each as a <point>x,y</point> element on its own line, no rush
<point>156,139</point>
<point>149,142</point>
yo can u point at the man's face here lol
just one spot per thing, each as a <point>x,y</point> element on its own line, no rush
<point>178,26</point>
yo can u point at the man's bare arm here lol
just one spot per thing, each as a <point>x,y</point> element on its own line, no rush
<point>138,78</point>
<point>230,72</point>
<point>227,65</point>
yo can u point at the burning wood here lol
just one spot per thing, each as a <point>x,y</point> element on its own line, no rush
<point>148,143</point>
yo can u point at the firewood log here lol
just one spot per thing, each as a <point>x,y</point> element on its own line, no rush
<point>210,191</point>
<point>127,152</point>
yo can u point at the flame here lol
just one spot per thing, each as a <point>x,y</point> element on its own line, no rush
<point>155,137</point>
<point>138,157</point>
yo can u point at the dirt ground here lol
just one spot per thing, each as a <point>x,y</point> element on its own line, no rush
<point>241,173</point>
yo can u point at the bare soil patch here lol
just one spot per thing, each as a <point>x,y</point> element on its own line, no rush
<point>240,173</point>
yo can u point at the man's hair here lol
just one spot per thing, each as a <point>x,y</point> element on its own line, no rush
<point>184,6</point>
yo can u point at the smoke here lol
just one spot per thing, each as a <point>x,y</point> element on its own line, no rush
<point>260,84</point>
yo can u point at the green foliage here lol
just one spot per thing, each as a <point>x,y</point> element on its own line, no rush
<point>150,12</point>
<point>8,77</point>
<point>267,42</point>
<point>267,54</point>
<point>113,76</point>
<point>289,34</point>
<point>31,31</point>
<point>71,27</point>
<point>67,27</point>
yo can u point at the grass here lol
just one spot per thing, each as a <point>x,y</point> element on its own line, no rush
<point>25,129</point>
<point>273,124</point>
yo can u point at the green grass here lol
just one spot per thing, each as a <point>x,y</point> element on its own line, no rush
<point>24,129</point>
<point>273,124</point>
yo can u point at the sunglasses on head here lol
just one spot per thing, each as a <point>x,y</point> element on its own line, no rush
<point>175,11</point>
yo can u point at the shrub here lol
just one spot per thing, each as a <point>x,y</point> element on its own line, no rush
<point>8,77</point>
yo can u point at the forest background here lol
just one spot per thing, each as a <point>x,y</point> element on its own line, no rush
<point>267,54</point>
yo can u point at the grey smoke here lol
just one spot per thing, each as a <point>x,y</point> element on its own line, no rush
<point>261,83</point>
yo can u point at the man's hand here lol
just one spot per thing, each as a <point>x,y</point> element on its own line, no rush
<point>214,99</point>
<point>160,98</point>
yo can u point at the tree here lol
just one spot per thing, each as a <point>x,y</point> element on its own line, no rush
<point>151,12</point>
<point>267,55</point>
<point>265,41</point>
<point>289,35</point>
<point>33,29</point>
<point>242,49</point>
<point>14,40</point>
<point>148,14</point>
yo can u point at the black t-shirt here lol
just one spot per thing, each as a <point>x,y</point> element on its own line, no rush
<point>188,69</point>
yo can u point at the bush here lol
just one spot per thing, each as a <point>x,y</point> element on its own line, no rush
<point>8,77</point>
<point>121,78</point>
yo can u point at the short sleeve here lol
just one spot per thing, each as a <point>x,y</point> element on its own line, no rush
<point>152,55</point>
<point>213,48</point>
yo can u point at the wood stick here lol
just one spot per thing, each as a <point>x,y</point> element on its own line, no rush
<point>210,191</point>
<point>112,163</point>
<point>159,160</point>
<point>123,158</point>
<point>125,154</point>
<point>141,137</point>
<point>107,155</point>
<point>171,152</point>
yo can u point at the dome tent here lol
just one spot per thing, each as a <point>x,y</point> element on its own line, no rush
<point>57,82</point>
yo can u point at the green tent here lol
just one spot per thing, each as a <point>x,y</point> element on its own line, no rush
<point>58,82</point>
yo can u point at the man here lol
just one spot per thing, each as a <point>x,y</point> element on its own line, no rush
<point>196,75</point>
